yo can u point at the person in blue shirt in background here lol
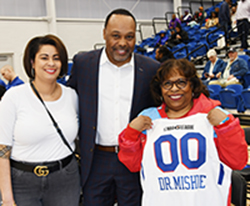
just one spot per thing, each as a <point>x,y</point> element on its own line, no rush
<point>9,74</point>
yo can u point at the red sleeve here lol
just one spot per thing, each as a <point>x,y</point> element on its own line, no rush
<point>131,144</point>
<point>231,144</point>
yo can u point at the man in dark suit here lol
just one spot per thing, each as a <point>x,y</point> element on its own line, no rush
<point>113,87</point>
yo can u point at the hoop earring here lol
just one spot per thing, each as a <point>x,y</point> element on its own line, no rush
<point>60,76</point>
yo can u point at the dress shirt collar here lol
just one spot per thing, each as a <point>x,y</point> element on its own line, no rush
<point>104,60</point>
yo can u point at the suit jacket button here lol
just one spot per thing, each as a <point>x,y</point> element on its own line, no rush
<point>91,150</point>
<point>94,128</point>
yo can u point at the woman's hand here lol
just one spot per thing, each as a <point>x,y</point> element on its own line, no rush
<point>215,116</point>
<point>141,123</point>
<point>218,75</point>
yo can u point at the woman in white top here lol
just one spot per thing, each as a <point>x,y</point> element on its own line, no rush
<point>37,168</point>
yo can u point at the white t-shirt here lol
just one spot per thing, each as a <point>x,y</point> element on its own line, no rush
<point>26,126</point>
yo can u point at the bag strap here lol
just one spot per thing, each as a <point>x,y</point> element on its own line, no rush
<point>52,118</point>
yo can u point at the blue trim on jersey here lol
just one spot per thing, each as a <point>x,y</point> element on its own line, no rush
<point>151,112</point>
<point>142,172</point>
<point>221,174</point>
<point>226,112</point>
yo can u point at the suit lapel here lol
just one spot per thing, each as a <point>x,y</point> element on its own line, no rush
<point>95,61</point>
<point>138,84</point>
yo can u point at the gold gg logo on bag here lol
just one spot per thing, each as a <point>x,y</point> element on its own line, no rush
<point>41,171</point>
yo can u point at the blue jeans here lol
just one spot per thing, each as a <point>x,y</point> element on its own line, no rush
<point>60,188</point>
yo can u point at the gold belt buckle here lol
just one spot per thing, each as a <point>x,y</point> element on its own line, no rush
<point>41,171</point>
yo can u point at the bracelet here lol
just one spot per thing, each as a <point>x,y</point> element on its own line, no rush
<point>224,120</point>
<point>1,203</point>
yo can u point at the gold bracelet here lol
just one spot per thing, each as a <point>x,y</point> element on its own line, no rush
<point>3,204</point>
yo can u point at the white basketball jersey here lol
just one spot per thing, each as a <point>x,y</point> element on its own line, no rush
<point>180,164</point>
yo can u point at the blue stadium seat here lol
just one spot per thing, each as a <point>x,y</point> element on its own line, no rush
<point>246,97</point>
<point>246,79</point>
<point>215,91</point>
<point>236,87</point>
<point>180,55</point>
<point>247,59</point>
<point>191,46</point>
<point>229,99</point>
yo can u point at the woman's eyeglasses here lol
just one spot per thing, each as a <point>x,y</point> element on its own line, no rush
<point>180,83</point>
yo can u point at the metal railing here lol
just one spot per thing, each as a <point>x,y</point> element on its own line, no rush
<point>201,2</point>
<point>140,28</point>
<point>196,49</point>
<point>212,32</point>
<point>184,47</point>
<point>154,21</point>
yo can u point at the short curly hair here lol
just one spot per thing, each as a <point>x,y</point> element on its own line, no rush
<point>34,46</point>
<point>170,68</point>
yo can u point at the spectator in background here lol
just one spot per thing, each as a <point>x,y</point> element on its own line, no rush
<point>174,22</point>
<point>163,53</point>
<point>202,15</point>
<point>212,67</point>
<point>224,18</point>
<point>211,22</point>
<point>162,40</point>
<point>217,10</point>
<point>177,36</point>
<point>242,15</point>
<point>9,74</point>
<point>187,17</point>
<point>193,22</point>
<point>196,15</point>
<point>233,71</point>
<point>2,83</point>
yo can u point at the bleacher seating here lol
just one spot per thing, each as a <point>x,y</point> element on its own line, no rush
<point>246,79</point>
<point>230,99</point>
<point>214,91</point>
<point>203,38</point>
<point>247,59</point>
<point>246,97</point>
